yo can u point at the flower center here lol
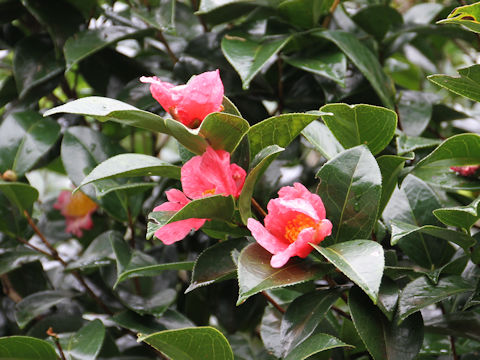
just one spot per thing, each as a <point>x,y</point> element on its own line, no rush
<point>208,192</point>
<point>80,205</point>
<point>296,225</point>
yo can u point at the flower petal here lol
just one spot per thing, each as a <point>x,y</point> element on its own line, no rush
<point>298,191</point>
<point>162,92</point>
<point>76,224</point>
<point>300,247</point>
<point>269,242</point>
<point>194,181</point>
<point>177,230</point>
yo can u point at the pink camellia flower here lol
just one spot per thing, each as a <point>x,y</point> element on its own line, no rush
<point>192,102</point>
<point>205,175</point>
<point>77,210</point>
<point>466,170</point>
<point>295,219</point>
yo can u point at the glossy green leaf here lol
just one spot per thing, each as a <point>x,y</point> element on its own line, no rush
<point>388,297</point>
<point>303,13</point>
<point>26,348</point>
<point>220,130</point>
<point>415,109</point>
<point>460,324</point>
<point>467,15</point>
<point>406,144</point>
<point>26,137</point>
<point>390,168</point>
<point>365,61</point>
<point>249,56</point>
<point>255,273</point>
<point>360,124</point>
<point>37,304</point>
<point>207,6</point>
<point>99,253</point>
<point>303,316</point>
<point>362,261</point>
<point>215,263</point>
<point>34,63</point>
<point>90,41</point>
<point>378,19</point>
<point>216,207</point>
<point>21,195</point>
<point>465,85</point>
<point>333,66</point>
<point>315,344</point>
<point>125,165</point>
<point>278,130</point>
<point>420,293</point>
<point>260,163</point>
<point>87,342</point>
<point>270,331</point>
<point>196,343</point>
<point>11,260</point>
<point>320,136</point>
<point>401,229</point>
<point>163,18</point>
<point>385,340</point>
<point>350,187</point>
<point>443,177</point>
<point>460,216</point>
<point>151,270</point>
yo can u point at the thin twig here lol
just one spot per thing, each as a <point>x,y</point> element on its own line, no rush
<point>9,290</point>
<point>328,18</point>
<point>332,283</point>
<point>273,302</point>
<point>195,8</point>
<point>451,338</point>
<point>37,249</point>
<point>280,85</point>
<point>164,41</point>
<point>341,312</point>
<point>257,207</point>
<point>54,336</point>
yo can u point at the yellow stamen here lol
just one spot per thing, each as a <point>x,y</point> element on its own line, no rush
<point>80,205</point>
<point>208,192</point>
<point>296,225</point>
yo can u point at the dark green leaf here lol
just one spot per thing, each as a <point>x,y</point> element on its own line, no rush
<point>460,216</point>
<point>255,273</point>
<point>260,163</point>
<point>332,66</point>
<point>320,136</point>
<point>215,263</point>
<point>385,340</point>
<point>125,165</point>
<point>19,194</point>
<point>197,343</point>
<point>464,85</point>
<point>26,137</point>
<point>303,316</point>
<point>360,124</point>
<point>388,297</point>
<point>446,178</point>
<point>249,56</point>
<point>377,20</point>
<point>163,18</point>
<point>11,260</point>
<point>415,110</point>
<point>421,292</point>
<point>461,324</point>
<point>390,168</point>
<point>270,331</point>
<point>37,304</point>
<point>26,348</point>
<point>315,344</point>
<point>278,130</point>
<point>406,144</point>
<point>350,187</point>
<point>303,13</point>
<point>87,342</point>
<point>362,261</point>
<point>365,61</point>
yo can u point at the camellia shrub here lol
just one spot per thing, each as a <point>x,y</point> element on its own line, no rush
<point>275,179</point>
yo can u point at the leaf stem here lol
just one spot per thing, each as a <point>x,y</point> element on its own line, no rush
<point>257,207</point>
<point>273,302</point>
<point>54,336</point>
<point>328,18</point>
<point>161,38</point>
<point>341,312</point>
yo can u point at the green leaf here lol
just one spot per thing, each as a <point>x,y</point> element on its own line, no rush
<point>467,15</point>
<point>303,316</point>
<point>163,18</point>
<point>388,297</point>
<point>377,20</point>
<point>362,261</point>
<point>249,56</point>
<point>446,178</point>
<point>390,168</point>
<point>37,304</point>
<point>88,42</point>
<point>26,137</point>
<point>385,340</point>
<point>125,165</point>
<point>217,207</point>
<point>303,13</point>
<point>333,66</point>
<point>350,187</point>
<point>270,331</point>
<point>420,293</point>
<point>315,344</point>
<point>461,324</point>
<point>87,342</point>
<point>278,130</point>
<point>401,230</point>
<point>460,216</point>
<point>320,136</point>
<point>406,144</point>
<point>34,64</point>
<point>415,110</point>
<point>464,85</point>
<point>255,273</point>
<point>19,194</point>
<point>360,124</point>
<point>198,343</point>
<point>221,130</point>
<point>26,348</point>
<point>11,260</point>
<point>132,270</point>
<point>365,61</point>
<point>260,163</point>
<point>215,263</point>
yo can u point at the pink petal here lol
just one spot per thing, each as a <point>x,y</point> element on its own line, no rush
<point>177,230</point>
<point>300,191</point>
<point>300,247</point>
<point>76,224</point>
<point>194,183</point>
<point>269,242</point>
<point>238,175</point>
<point>177,200</point>
<point>63,200</point>
<point>162,92</point>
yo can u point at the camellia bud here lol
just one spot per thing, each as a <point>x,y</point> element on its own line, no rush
<point>10,175</point>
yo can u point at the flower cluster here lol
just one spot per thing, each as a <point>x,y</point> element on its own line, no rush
<point>77,209</point>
